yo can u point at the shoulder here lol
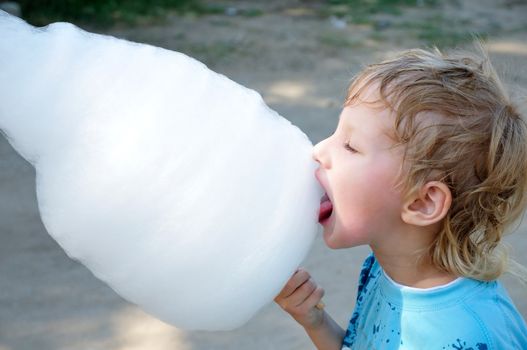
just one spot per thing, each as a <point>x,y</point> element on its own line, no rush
<point>459,327</point>
<point>483,320</point>
<point>445,319</point>
<point>497,315</point>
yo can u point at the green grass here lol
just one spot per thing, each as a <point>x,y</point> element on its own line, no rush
<point>218,51</point>
<point>252,13</point>
<point>439,37</point>
<point>434,29</point>
<point>211,53</point>
<point>377,5</point>
<point>109,12</point>
<point>361,10</point>
<point>105,12</point>
<point>337,40</point>
<point>439,31</point>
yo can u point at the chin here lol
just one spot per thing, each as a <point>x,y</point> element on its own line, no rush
<point>333,242</point>
<point>330,243</point>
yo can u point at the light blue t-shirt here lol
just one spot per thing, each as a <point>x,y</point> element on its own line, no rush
<point>463,315</point>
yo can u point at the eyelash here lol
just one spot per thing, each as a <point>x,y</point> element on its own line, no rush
<point>349,148</point>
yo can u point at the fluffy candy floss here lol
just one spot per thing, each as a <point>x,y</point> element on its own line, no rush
<point>176,186</point>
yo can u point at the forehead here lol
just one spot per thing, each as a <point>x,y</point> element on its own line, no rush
<point>366,122</point>
<point>367,116</point>
<point>365,104</point>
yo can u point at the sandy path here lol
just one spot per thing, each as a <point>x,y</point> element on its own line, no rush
<point>301,64</point>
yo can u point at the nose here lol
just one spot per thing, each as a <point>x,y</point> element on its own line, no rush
<point>321,154</point>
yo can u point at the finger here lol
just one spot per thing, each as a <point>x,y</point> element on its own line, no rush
<point>298,297</point>
<point>314,299</point>
<point>298,278</point>
<point>303,292</point>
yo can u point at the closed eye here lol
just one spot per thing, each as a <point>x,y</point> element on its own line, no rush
<point>350,148</point>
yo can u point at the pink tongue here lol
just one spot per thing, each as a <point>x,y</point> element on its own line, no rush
<point>325,209</point>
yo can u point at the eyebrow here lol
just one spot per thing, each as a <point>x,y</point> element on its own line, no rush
<point>341,121</point>
<point>349,127</point>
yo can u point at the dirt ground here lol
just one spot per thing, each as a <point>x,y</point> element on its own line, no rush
<point>300,55</point>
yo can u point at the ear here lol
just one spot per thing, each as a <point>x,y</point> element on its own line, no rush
<point>428,206</point>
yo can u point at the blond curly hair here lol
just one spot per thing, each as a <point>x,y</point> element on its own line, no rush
<point>477,145</point>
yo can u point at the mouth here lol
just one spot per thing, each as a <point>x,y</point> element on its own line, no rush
<point>326,208</point>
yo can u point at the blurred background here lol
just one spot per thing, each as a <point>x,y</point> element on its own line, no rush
<point>300,55</point>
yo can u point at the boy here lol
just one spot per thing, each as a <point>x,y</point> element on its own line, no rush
<point>428,166</point>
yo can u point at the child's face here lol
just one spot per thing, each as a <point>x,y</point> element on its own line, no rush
<point>359,170</point>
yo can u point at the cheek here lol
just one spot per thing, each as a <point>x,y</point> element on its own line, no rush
<point>350,228</point>
<point>382,180</point>
<point>361,221</point>
<point>369,204</point>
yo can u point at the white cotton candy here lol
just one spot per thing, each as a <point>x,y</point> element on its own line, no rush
<point>173,184</point>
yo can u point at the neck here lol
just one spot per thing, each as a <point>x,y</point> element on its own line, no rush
<point>413,272</point>
<point>410,264</point>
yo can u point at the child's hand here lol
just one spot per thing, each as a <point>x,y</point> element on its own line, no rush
<point>301,299</point>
